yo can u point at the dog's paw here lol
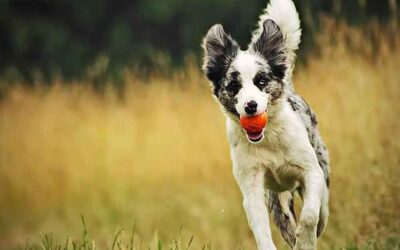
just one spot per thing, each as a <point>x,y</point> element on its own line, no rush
<point>304,246</point>
<point>306,238</point>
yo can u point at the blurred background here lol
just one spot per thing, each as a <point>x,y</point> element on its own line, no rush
<point>105,115</point>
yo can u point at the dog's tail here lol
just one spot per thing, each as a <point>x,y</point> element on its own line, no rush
<point>281,207</point>
<point>284,14</point>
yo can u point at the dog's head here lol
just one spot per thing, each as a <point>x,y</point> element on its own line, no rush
<point>246,82</point>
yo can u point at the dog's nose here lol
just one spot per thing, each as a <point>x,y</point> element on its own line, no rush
<point>251,107</point>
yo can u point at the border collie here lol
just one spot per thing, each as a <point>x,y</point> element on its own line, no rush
<point>289,155</point>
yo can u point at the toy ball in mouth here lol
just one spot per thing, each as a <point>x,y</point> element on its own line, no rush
<point>254,126</point>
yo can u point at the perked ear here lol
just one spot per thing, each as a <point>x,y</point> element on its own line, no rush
<point>219,51</point>
<point>270,45</point>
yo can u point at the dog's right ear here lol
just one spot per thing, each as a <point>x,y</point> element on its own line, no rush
<point>219,51</point>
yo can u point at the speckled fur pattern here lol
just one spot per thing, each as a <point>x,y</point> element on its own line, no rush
<point>291,156</point>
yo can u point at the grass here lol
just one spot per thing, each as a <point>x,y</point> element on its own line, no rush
<point>130,243</point>
<point>48,242</point>
<point>158,158</point>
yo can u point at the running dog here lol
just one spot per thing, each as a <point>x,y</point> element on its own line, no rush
<point>289,156</point>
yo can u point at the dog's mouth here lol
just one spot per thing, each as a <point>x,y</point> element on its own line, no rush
<point>255,136</point>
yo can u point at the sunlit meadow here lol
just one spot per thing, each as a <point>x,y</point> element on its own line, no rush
<point>156,157</point>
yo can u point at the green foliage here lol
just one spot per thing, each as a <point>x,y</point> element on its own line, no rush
<point>391,243</point>
<point>67,37</point>
<point>49,243</point>
<point>118,242</point>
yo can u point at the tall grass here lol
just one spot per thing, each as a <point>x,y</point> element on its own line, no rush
<point>159,156</point>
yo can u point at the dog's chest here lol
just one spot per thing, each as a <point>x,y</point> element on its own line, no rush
<point>280,174</point>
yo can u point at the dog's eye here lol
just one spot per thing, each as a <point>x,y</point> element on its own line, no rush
<point>260,81</point>
<point>233,86</point>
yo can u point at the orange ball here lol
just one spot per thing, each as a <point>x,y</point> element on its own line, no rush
<point>254,124</point>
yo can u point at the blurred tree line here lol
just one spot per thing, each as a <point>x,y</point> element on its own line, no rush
<point>74,37</point>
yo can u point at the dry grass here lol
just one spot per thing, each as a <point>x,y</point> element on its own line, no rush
<point>160,157</point>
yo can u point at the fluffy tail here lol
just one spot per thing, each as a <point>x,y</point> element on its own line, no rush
<point>284,14</point>
<point>282,211</point>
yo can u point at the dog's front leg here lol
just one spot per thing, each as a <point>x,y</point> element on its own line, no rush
<point>251,182</point>
<point>306,232</point>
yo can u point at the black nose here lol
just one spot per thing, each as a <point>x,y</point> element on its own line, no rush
<point>251,107</point>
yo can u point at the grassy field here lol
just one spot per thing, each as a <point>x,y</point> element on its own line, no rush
<point>158,159</point>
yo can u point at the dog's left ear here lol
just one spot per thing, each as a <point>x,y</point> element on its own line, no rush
<point>219,51</point>
<point>270,45</point>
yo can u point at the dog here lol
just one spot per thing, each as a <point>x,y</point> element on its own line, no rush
<point>289,155</point>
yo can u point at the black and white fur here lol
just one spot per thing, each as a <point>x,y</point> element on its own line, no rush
<point>289,156</point>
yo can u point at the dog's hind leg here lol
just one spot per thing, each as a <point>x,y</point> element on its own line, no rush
<point>282,211</point>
